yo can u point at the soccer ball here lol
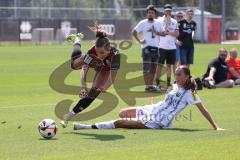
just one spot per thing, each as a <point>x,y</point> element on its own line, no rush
<point>47,128</point>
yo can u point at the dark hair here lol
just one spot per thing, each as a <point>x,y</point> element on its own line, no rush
<point>190,83</point>
<point>189,10</point>
<point>102,40</point>
<point>151,7</point>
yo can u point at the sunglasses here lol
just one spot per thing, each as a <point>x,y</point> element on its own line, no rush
<point>179,16</point>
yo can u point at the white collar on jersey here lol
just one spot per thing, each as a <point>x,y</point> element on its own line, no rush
<point>175,86</point>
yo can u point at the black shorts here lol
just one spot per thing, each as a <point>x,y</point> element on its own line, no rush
<point>150,54</point>
<point>219,80</point>
<point>150,57</point>
<point>234,78</point>
<point>167,55</point>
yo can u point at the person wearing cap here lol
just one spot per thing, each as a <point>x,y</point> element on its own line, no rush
<point>187,28</point>
<point>167,46</point>
<point>149,45</point>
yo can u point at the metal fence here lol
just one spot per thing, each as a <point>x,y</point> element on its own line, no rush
<point>64,13</point>
<point>57,29</point>
<point>64,9</point>
<point>43,13</point>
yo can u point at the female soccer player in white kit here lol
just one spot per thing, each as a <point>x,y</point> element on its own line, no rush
<point>160,115</point>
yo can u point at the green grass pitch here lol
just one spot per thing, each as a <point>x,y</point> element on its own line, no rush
<point>26,99</point>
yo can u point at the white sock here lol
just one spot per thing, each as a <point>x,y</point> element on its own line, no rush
<point>77,41</point>
<point>69,115</point>
<point>105,125</point>
<point>79,126</point>
<point>73,112</point>
<point>86,126</point>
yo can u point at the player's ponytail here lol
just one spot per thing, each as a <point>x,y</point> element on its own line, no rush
<point>101,34</point>
<point>190,82</point>
<point>102,40</point>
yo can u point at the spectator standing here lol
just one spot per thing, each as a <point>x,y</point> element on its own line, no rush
<point>187,28</point>
<point>167,46</point>
<point>149,46</point>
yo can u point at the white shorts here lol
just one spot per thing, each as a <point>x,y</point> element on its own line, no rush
<point>146,116</point>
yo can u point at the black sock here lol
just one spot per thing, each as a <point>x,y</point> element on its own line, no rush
<point>85,102</point>
<point>76,54</point>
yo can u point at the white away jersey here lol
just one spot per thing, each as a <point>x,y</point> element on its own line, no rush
<point>175,101</point>
<point>162,114</point>
<point>145,27</point>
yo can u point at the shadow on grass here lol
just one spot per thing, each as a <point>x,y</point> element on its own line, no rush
<point>44,139</point>
<point>184,129</point>
<point>101,137</point>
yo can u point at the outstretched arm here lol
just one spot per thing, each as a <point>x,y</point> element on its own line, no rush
<point>208,116</point>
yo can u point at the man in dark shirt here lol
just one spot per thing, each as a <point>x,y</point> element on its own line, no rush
<point>217,71</point>
<point>186,32</point>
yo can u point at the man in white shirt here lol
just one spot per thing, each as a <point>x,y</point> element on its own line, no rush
<point>149,45</point>
<point>167,46</point>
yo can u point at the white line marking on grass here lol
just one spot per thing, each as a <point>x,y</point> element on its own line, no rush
<point>27,105</point>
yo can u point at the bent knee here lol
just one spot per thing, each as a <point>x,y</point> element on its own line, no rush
<point>73,66</point>
<point>231,83</point>
<point>128,113</point>
<point>237,82</point>
<point>122,113</point>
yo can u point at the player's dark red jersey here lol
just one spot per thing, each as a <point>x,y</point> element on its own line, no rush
<point>111,62</point>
